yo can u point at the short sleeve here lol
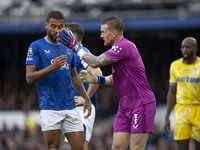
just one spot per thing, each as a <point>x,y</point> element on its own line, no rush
<point>117,52</point>
<point>173,78</point>
<point>73,63</point>
<point>33,57</point>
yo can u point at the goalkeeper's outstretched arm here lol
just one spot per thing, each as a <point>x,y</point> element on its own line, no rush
<point>89,77</point>
<point>67,39</point>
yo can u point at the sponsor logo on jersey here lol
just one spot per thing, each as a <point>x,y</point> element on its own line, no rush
<point>29,59</point>
<point>65,66</point>
<point>188,79</point>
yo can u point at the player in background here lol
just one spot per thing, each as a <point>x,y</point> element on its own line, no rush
<point>184,90</point>
<point>137,104</point>
<point>88,123</point>
<point>52,66</point>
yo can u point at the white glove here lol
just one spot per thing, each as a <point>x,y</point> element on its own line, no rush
<point>88,77</point>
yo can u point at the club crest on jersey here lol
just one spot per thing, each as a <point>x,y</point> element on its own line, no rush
<point>30,52</point>
<point>47,51</point>
<point>68,52</point>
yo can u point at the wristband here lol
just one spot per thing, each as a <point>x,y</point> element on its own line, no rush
<point>81,52</point>
<point>101,79</point>
<point>107,80</point>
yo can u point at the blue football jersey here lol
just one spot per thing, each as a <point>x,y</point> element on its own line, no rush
<point>81,65</point>
<point>55,91</point>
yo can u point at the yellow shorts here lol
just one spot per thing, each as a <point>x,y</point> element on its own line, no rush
<point>187,122</point>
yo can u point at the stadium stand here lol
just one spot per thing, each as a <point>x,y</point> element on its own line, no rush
<point>82,9</point>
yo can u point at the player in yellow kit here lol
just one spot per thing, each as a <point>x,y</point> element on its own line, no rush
<point>184,89</point>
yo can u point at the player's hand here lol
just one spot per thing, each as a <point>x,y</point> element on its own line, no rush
<point>68,39</point>
<point>167,125</point>
<point>88,107</point>
<point>79,100</point>
<point>59,61</point>
<point>88,76</point>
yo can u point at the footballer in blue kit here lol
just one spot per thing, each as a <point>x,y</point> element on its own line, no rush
<point>52,67</point>
<point>51,92</point>
<point>88,123</point>
<point>81,65</point>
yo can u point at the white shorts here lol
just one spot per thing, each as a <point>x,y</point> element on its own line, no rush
<point>87,123</point>
<point>66,120</point>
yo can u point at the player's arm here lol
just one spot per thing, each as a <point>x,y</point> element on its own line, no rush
<point>96,61</point>
<point>81,90</point>
<point>93,87</point>
<point>67,39</point>
<point>32,75</point>
<point>171,99</point>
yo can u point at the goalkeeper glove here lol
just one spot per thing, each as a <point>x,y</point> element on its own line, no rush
<point>88,77</point>
<point>68,39</point>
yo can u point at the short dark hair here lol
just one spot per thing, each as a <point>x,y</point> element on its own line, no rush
<point>114,23</point>
<point>77,29</point>
<point>55,14</point>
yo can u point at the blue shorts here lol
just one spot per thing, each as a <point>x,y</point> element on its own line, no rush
<point>139,120</point>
